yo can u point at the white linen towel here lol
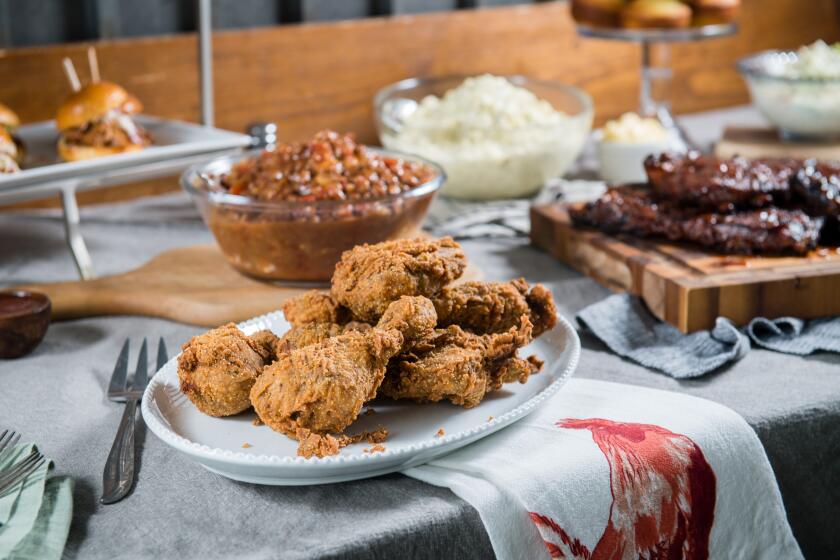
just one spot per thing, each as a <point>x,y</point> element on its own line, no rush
<point>606,470</point>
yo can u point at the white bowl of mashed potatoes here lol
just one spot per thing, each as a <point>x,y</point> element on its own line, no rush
<point>624,143</point>
<point>495,137</point>
<point>798,91</point>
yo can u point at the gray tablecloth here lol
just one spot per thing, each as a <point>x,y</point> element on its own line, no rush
<point>56,397</point>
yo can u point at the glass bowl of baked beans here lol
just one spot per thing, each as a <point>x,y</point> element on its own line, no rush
<point>289,212</point>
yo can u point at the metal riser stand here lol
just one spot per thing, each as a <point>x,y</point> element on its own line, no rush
<point>67,189</point>
<point>654,91</point>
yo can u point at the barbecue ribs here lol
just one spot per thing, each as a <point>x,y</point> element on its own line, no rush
<point>721,184</point>
<point>818,186</point>
<point>635,210</point>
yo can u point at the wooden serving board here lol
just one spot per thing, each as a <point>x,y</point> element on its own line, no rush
<point>757,142</point>
<point>193,285</point>
<point>690,288</point>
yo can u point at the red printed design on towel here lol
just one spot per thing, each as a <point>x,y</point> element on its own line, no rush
<point>663,492</point>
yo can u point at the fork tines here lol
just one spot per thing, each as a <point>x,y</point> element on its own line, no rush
<point>121,386</point>
<point>10,477</point>
<point>8,440</point>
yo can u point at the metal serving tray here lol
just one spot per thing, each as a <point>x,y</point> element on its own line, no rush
<point>177,145</point>
<point>171,139</point>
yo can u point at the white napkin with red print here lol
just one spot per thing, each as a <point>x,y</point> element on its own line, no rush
<point>613,471</point>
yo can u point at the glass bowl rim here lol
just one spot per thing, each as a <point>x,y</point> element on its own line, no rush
<point>752,66</point>
<point>588,107</point>
<point>198,172</point>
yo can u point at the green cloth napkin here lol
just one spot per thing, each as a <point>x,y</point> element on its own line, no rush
<point>35,517</point>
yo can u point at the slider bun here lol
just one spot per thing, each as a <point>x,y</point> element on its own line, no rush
<point>656,14</point>
<point>8,145</point>
<point>598,13</point>
<point>8,164</point>
<point>93,101</point>
<point>712,12</point>
<point>74,152</point>
<point>21,149</point>
<point>8,118</point>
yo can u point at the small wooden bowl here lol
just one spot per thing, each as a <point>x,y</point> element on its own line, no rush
<point>24,318</point>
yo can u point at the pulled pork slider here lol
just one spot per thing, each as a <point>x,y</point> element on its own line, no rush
<point>96,121</point>
<point>11,148</point>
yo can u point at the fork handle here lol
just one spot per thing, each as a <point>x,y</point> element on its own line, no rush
<point>119,468</point>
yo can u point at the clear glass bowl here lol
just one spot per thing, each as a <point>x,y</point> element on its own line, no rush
<point>301,241</point>
<point>532,156</point>
<point>801,108</point>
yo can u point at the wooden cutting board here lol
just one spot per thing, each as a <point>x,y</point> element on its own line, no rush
<point>690,288</point>
<point>757,142</point>
<point>193,285</point>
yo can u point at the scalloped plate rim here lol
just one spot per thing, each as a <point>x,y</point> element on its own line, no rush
<point>375,461</point>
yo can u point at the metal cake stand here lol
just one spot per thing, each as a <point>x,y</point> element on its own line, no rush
<point>654,92</point>
<point>67,187</point>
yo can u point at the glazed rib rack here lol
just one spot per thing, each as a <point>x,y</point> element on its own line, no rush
<point>732,206</point>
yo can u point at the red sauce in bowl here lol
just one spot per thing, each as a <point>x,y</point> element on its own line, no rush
<point>24,319</point>
<point>13,304</point>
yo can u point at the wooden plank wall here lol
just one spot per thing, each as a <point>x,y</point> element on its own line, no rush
<point>41,22</point>
<point>311,76</point>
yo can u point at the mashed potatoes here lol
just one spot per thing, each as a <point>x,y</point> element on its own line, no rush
<point>493,139</point>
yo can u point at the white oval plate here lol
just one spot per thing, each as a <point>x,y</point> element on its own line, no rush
<point>235,448</point>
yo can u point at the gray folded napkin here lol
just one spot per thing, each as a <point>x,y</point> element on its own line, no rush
<point>795,336</point>
<point>625,325</point>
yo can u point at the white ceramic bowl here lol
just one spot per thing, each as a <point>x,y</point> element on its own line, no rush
<point>623,162</point>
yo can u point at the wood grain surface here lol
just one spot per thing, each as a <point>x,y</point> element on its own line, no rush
<point>193,285</point>
<point>756,142</point>
<point>311,76</point>
<point>688,287</point>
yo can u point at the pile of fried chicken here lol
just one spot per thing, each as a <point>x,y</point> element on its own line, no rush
<point>393,325</point>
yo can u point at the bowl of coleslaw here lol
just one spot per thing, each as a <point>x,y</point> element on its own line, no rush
<point>797,91</point>
<point>495,136</point>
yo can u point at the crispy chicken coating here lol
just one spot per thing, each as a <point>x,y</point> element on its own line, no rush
<point>218,368</point>
<point>414,317</point>
<point>369,277</point>
<point>516,369</point>
<point>314,307</point>
<point>543,311</point>
<point>459,366</point>
<point>314,333</point>
<point>321,445</point>
<point>495,307</point>
<point>270,344</point>
<point>322,387</point>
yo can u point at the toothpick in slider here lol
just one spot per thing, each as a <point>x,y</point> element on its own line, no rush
<point>94,65</point>
<point>72,77</point>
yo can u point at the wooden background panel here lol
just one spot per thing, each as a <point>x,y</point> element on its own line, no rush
<point>311,76</point>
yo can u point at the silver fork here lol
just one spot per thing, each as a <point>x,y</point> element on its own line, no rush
<point>10,477</point>
<point>118,476</point>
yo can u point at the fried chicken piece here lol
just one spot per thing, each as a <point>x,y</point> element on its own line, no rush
<point>314,307</point>
<point>542,310</point>
<point>270,343</point>
<point>516,369</point>
<point>314,333</point>
<point>218,368</point>
<point>495,307</point>
<point>319,445</point>
<point>414,317</point>
<point>459,366</point>
<point>369,277</point>
<point>322,387</point>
